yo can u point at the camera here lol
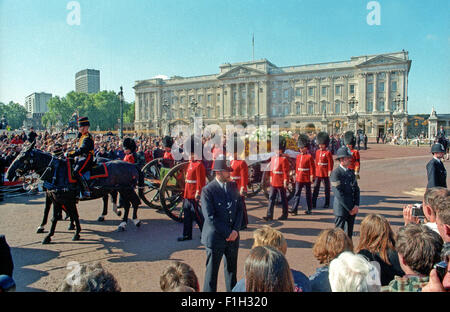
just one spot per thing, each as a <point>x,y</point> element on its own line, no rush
<point>441,269</point>
<point>417,210</point>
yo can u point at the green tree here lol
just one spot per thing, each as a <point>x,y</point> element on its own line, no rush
<point>128,115</point>
<point>15,114</point>
<point>58,110</point>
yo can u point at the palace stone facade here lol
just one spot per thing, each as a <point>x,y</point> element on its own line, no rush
<point>366,93</point>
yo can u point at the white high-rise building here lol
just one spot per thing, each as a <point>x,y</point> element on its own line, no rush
<point>36,103</point>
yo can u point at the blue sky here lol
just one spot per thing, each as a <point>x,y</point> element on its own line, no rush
<point>139,39</point>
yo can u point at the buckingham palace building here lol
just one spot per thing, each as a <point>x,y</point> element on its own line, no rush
<point>366,93</point>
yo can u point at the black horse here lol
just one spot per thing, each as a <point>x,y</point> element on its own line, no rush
<point>122,177</point>
<point>60,208</point>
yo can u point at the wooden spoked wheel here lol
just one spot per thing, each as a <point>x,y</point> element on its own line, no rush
<point>152,181</point>
<point>171,192</point>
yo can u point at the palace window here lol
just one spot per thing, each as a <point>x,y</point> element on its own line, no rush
<point>337,108</point>
<point>311,91</point>
<point>369,87</point>
<point>310,108</point>
<point>381,105</point>
<point>352,89</point>
<point>209,98</point>
<point>370,106</point>
<point>324,107</point>
<point>337,90</point>
<point>218,97</point>
<point>286,93</point>
<point>324,91</point>
<point>298,91</point>
<point>394,86</point>
<point>298,109</point>
<point>381,86</point>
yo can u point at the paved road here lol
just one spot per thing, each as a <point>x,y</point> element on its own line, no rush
<point>390,177</point>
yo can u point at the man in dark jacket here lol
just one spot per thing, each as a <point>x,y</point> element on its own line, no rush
<point>157,152</point>
<point>436,172</point>
<point>346,192</point>
<point>32,135</point>
<point>222,209</point>
<point>6,261</point>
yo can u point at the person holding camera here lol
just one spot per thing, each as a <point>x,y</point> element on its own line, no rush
<point>436,172</point>
<point>427,210</point>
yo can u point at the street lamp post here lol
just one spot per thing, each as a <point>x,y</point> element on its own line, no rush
<point>353,112</point>
<point>257,120</point>
<point>166,118</point>
<point>121,113</point>
<point>193,106</point>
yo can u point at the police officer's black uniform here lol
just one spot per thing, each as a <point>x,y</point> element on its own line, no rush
<point>436,172</point>
<point>346,194</point>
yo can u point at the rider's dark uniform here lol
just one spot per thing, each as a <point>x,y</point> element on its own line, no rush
<point>85,151</point>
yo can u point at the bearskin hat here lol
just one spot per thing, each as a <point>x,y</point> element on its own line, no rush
<point>129,143</point>
<point>303,141</point>
<point>349,138</point>
<point>323,138</point>
<point>167,141</point>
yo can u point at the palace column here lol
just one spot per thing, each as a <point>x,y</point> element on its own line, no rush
<point>387,89</point>
<point>375,88</point>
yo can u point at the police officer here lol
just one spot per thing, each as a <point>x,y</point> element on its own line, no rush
<point>350,141</point>
<point>436,172</point>
<point>304,174</point>
<point>85,151</point>
<point>194,183</point>
<point>279,179</point>
<point>223,212</point>
<point>346,192</point>
<point>324,165</point>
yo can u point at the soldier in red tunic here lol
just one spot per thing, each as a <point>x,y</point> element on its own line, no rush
<point>195,181</point>
<point>324,167</point>
<point>304,174</point>
<point>350,142</point>
<point>279,178</point>
<point>168,160</point>
<point>129,148</point>
<point>240,174</point>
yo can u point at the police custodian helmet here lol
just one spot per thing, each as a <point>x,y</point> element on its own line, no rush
<point>437,148</point>
<point>343,152</point>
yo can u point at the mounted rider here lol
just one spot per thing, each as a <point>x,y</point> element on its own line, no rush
<point>85,153</point>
